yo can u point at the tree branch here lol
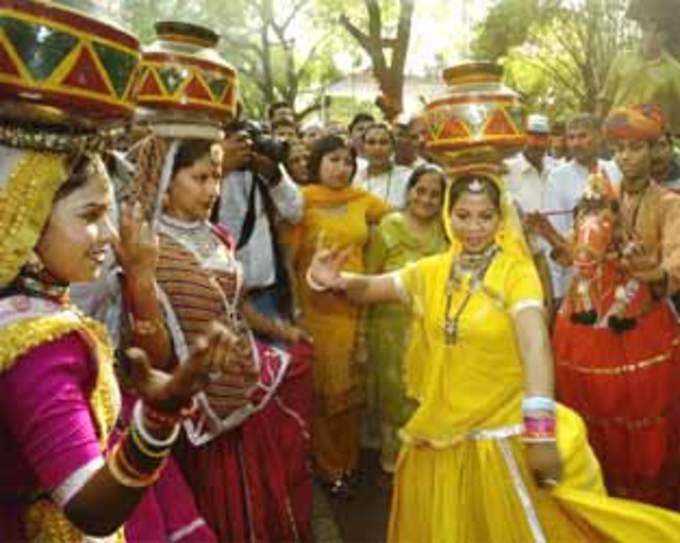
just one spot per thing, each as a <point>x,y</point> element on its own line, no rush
<point>291,16</point>
<point>357,34</point>
<point>400,49</point>
<point>317,105</point>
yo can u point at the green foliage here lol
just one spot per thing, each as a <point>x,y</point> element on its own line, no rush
<point>272,65</point>
<point>505,26</point>
<point>556,53</point>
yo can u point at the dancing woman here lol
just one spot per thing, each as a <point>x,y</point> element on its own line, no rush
<point>245,452</point>
<point>488,455</point>
<point>62,480</point>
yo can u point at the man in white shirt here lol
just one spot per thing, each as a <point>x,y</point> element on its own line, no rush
<point>566,184</point>
<point>248,208</point>
<point>528,170</point>
<point>527,180</point>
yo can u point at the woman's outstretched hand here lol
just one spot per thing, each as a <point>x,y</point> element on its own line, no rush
<point>544,462</point>
<point>324,270</point>
<point>211,355</point>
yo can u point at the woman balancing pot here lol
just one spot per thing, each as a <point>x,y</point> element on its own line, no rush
<point>61,479</point>
<point>245,451</point>
<point>488,455</point>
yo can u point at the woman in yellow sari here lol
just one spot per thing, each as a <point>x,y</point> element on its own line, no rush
<point>488,456</point>
<point>340,214</point>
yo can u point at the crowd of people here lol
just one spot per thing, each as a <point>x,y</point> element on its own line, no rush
<point>251,307</point>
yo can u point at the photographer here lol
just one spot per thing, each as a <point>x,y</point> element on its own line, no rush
<point>255,194</point>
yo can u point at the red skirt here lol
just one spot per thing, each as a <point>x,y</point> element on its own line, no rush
<point>253,483</point>
<point>625,386</point>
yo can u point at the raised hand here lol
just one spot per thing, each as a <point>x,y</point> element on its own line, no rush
<point>137,247</point>
<point>211,355</point>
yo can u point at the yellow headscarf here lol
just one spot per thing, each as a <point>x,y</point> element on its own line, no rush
<point>509,236</point>
<point>29,181</point>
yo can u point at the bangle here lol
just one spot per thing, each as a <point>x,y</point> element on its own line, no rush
<point>313,284</point>
<point>538,403</point>
<point>120,470</point>
<point>164,419</point>
<point>138,421</point>
<point>138,442</point>
<point>142,327</point>
<point>539,430</point>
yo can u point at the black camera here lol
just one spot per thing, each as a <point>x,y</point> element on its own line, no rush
<point>264,144</point>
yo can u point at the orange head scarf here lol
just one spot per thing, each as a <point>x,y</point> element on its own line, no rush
<point>636,122</point>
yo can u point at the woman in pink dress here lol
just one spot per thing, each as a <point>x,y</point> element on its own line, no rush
<point>60,478</point>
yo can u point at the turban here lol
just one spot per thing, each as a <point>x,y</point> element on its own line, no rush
<point>639,122</point>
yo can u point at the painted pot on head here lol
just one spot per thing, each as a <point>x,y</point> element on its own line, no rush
<point>184,83</point>
<point>478,120</point>
<point>63,64</point>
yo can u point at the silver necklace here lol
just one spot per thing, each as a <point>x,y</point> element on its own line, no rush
<point>465,263</point>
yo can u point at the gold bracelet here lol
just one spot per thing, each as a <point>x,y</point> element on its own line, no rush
<point>117,471</point>
<point>143,448</point>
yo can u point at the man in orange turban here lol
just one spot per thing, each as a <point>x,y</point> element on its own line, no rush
<point>619,374</point>
<point>638,122</point>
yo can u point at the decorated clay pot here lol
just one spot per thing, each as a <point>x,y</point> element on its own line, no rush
<point>63,64</point>
<point>478,119</point>
<point>184,79</point>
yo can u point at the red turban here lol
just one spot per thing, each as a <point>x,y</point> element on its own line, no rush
<point>639,122</point>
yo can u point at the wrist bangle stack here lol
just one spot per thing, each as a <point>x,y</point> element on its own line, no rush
<point>539,430</point>
<point>137,460</point>
<point>538,403</point>
<point>539,420</point>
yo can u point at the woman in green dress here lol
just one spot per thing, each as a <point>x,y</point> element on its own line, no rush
<point>401,237</point>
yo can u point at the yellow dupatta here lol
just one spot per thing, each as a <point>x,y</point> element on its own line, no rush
<point>429,358</point>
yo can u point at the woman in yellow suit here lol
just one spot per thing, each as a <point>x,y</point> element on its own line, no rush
<point>340,214</point>
<point>488,457</point>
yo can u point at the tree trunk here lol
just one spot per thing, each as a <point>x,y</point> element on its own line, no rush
<point>390,77</point>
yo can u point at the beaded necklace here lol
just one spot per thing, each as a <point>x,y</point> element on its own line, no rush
<point>478,265</point>
<point>39,288</point>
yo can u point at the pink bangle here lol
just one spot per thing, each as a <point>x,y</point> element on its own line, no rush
<point>539,430</point>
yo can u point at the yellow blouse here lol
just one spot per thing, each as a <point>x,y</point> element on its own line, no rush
<point>475,383</point>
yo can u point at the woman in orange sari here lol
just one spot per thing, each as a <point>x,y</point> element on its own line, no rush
<point>338,214</point>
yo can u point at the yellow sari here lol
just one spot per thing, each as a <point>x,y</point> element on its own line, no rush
<point>461,474</point>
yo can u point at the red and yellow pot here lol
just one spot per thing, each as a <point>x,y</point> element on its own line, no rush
<point>64,65</point>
